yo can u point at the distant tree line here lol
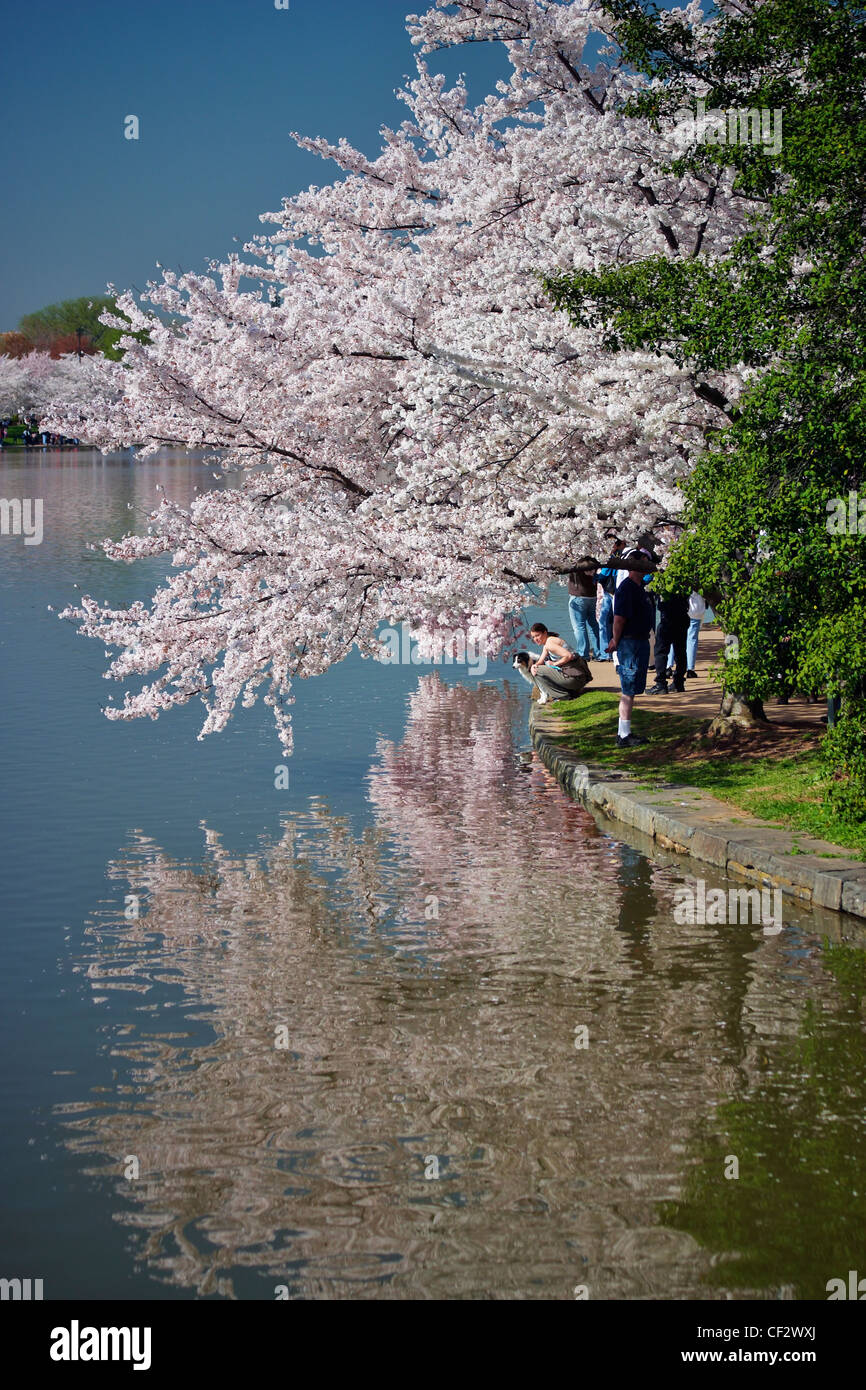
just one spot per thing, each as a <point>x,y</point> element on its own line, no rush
<point>70,326</point>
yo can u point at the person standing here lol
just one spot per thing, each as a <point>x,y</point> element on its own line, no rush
<point>633,621</point>
<point>607,578</point>
<point>582,586</point>
<point>697,613</point>
<point>671,635</point>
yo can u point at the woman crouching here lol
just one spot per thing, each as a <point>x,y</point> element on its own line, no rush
<point>558,672</point>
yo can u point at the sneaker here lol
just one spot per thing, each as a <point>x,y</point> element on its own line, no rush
<point>657,689</point>
<point>630,741</point>
<point>692,675</point>
<point>670,673</point>
<point>679,689</point>
<point>543,698</point>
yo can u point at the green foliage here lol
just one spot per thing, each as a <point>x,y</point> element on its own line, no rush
<point>788,301</point>
<point>59,321</point>
<point>804,57</point>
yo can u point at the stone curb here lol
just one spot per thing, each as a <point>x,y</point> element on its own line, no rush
<point>687,820</point>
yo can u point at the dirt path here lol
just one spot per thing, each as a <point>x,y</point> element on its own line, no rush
<point>702,696</point>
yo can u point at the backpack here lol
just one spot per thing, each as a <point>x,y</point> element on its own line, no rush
<point>578,669</point>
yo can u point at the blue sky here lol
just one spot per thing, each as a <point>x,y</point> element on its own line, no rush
<point>217,86</point>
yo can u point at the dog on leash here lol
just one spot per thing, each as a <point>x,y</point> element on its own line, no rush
<point>522,663</point>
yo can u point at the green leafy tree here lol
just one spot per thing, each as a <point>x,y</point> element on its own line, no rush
<point>765,536</point>
<point>61,323</point>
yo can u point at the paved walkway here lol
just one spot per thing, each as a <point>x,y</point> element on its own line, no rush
<point>702,697</point>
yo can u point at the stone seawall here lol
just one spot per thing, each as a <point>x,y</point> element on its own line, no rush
<point>687,820</point>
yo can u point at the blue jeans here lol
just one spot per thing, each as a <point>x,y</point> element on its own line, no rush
<point>582,614</point>
<point>605,625</point>
<point>633,655</point>
<point>692,642</point>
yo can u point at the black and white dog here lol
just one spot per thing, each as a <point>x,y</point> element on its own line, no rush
<point>522,663</point>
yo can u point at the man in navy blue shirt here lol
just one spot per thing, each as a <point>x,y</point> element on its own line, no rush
<point>633,621</point>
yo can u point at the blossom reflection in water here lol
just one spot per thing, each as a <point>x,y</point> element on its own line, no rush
<point>347,1064</point>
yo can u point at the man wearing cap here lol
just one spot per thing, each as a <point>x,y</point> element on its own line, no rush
<point>633,621</point>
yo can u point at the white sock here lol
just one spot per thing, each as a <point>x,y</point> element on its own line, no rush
<point>624,728</point>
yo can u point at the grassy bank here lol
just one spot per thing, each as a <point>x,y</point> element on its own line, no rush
<point>775,774</point>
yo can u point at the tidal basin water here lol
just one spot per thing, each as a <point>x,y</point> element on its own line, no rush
<point>325,1042</point>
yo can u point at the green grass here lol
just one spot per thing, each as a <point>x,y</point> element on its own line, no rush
<point>788,791</point>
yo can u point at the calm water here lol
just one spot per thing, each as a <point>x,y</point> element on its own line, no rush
<point>337,1043</point>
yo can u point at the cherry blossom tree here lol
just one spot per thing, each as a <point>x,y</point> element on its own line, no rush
<point>40,384</point>
<point>419,436</point>
<point>22,381</point>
